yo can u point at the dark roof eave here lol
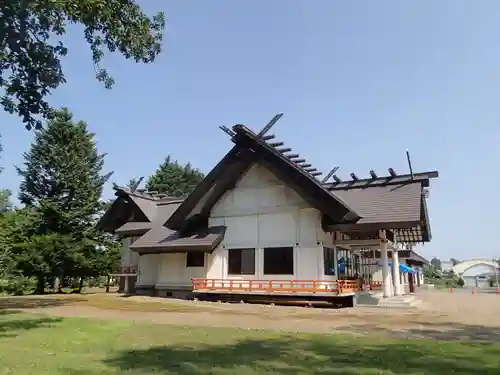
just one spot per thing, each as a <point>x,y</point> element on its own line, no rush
<point>373,226</point>
<point>132,232</point>
<point>425,220</point>
<point>176,220</point>
<point>104,222</point>
<point>185,244</point>
<point>172,250</point>
<point>347,213</point>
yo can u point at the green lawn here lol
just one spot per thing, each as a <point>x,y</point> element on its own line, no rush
<point>37,344</point>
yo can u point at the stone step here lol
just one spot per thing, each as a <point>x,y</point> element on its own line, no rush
<point>407,301</point>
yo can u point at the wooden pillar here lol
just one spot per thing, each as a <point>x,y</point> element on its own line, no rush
<point>126,288</point>
<point>121,284</point>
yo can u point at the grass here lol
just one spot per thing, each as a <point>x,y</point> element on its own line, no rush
<point>36,344</point>
<point>101,301</point>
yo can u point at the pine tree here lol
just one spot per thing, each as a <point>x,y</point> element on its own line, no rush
<point>62,180</point>
<point>174,179</point>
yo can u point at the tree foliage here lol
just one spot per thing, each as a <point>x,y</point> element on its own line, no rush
<point>31,46</point>
<point>62,184</point>
<point>174,179</point>
<point>16,228</point>
<point>436,263</point>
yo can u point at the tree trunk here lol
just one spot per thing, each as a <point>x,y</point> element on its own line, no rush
<point>108,280</point>
<point>80,285</point>
<point>40,285</point>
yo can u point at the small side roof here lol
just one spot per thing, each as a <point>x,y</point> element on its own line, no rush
<point>161,240</point>
<point>134,213</point>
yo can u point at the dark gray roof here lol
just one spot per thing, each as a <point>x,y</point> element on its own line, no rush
<point>133,228</point>
<point>163,240</point>
<point>400,208</point>
<point>249,149</point>
<point>392,203</point>
<point>147,206</point>
<point>134,213</point>
<point>160,214</point>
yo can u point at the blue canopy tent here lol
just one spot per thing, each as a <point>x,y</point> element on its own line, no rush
<point>404,268</point>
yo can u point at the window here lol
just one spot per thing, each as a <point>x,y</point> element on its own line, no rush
<point>329,261</point>
<point>241,262</point>
<point>196,259</point>
<point>278,261</point>
<point>347,264</point>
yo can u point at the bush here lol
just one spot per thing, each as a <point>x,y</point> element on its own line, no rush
<point>460,282</point>
<point>17,285</point>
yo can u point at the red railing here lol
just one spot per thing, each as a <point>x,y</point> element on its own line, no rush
<point>376,285</point>
<point>276,286</point>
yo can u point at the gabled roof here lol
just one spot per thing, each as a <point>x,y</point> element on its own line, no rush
<point>122,211</point>
<point>134,213</point>
<point>249,149</point>
<point>126,217</point>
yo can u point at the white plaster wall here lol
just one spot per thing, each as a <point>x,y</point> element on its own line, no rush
<point>262,212</point>
<point>129,258</point>
<point>148,269</point>
<point>308,265</point>
<point>172,271</point>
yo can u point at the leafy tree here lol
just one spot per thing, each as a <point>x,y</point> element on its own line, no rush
<point>174,179</point>
<point>16,227</point>
<point>431,272</point>
<point>62,180</point>
<point>31,46</point>
<point>436,263</point>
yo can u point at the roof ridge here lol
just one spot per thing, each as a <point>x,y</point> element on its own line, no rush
<point>145,194</point>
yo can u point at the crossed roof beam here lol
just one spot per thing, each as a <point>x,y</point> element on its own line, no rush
<point>338,184</point>
<point>279,146</point>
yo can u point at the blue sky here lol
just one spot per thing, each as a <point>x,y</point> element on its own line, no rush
<point>359,83</point>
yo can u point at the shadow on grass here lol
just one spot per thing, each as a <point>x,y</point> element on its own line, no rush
<point>31,302</point>
<point>13,327</point>
<point>436,331</point>
<point>325,354</point>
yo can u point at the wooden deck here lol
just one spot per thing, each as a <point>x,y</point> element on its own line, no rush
<point>277,287</point>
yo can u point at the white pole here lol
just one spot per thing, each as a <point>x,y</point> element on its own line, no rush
<point>496,272</point>
<point>395,271</point>
<point>386,276</point>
